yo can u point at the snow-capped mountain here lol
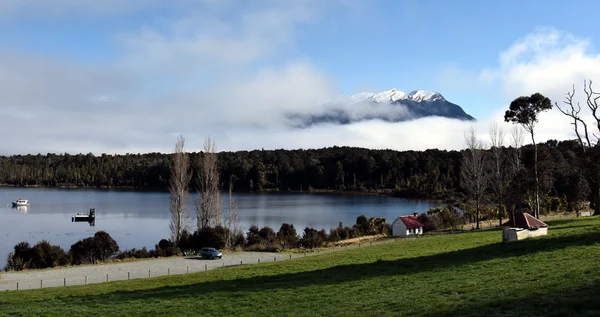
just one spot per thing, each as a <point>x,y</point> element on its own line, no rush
<point>391,106</point>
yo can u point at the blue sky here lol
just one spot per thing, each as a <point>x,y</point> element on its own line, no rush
<point>160,54</point>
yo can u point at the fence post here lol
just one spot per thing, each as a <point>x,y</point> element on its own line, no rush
<point>274,259</point>
<point>17,286</point>
<point>188,269</point>
<point>290,256</point>
<point>85,280</point>
<point>107,277</point>
<point>127,275</point>
<point>371,243</point>
<point>223,264</point>
<point>169,271</point>
<point>41,283</point>
<point>65,281</point>
<point>205,267</point>
<point>259,260</point>
<point>148,273</point>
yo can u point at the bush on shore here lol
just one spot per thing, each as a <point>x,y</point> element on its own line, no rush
<point>102,247</point>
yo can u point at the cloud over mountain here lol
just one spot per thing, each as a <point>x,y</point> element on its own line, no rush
<point>234,72</point>
<point>389,106</point>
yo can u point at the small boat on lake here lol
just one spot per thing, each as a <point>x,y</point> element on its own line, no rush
<point>83,216</point>
<point>20,202</point>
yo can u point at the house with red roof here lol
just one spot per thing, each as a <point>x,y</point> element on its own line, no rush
<point>523,226</point>
<point>405,226</point>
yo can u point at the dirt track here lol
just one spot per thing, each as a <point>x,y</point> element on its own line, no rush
<point>89,274</point>
<point>136,269</point>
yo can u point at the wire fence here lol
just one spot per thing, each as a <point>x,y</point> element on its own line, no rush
<point>152,268</point>
<point>69,276</point>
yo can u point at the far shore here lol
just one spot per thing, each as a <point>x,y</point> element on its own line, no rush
<point>385,192</point>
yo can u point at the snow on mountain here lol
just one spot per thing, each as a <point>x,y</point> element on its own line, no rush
<point>394,94</point>
<point>392,106</point>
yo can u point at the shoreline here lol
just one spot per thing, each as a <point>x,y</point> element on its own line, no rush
<point>384,192</point>
<point>294,251</point>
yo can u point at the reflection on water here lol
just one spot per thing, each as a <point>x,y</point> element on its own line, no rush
<point>22,209</point>
<point>138,219</point>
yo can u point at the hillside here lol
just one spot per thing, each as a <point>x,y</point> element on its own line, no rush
<point>390,106</point>
<point>469,274</point>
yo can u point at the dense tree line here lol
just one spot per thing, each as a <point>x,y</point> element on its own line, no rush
<point>412,173</point>
<point>427,174</point>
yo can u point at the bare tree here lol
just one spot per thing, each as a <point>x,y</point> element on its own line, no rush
<point>517,143</point>
<point>525,111</point>
<point>517,140</point>
<point>178,190</point>
<point>208,206</point>
<point>231,217</point>
<point>474,171</point>
<point>591,150</point>
<point>499,173</point>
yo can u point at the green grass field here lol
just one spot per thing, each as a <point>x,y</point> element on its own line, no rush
<point>470,274</point>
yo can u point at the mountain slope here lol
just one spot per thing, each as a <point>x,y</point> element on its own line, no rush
<point>390,106</point>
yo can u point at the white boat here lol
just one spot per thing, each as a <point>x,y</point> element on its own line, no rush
<point>20,202</point>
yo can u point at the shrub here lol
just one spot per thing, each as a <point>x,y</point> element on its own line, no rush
<point>267,234</point>
<point>101,247</point>
<point>185,242</point>
<point>252,236</point>
<point>210,237</point>
<point>40,256</point>
<point>428,222</point>
<point>313,238</point>
<point>287,236</point>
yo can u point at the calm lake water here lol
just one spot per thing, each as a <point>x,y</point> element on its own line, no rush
<point>138,219</point>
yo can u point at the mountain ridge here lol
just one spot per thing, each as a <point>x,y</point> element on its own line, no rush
<point>391,106</point>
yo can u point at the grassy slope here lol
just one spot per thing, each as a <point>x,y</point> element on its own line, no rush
<point>464,275</point>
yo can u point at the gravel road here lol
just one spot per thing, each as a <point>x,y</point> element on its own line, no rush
<point>90,274</point>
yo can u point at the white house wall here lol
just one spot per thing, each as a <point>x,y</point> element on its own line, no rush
<point>399,229</point>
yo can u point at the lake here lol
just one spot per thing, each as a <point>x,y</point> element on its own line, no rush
<point>137,219</point>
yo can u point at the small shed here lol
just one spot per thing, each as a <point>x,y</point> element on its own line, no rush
<point>405,226</point>
<point>523,226</point>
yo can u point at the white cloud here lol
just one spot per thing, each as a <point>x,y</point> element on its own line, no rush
<point>547,61</point>
<point>206,74</point>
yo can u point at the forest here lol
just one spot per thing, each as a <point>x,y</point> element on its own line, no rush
<point>434,174</point>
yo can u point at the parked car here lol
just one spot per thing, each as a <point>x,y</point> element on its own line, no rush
<point>210,253</point>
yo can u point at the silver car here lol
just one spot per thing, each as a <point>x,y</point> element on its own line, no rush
<point>210,253</point>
